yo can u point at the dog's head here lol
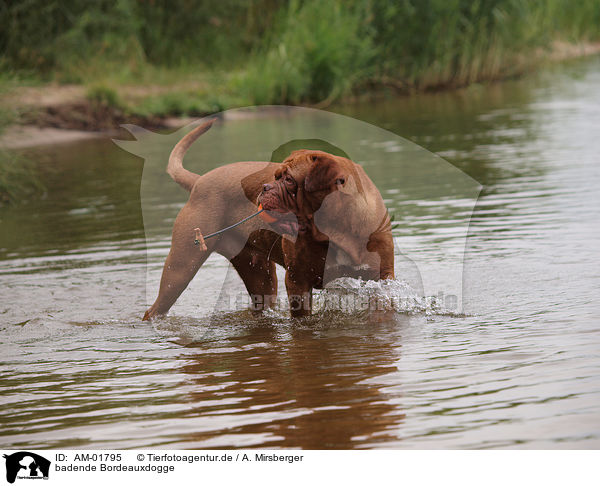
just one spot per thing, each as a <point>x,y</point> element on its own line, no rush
<point>309,181</point>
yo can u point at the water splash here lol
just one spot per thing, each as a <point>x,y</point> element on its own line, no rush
<point>345,301</point>
<point>356,296</point>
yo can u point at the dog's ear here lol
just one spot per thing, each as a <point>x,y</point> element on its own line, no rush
<point>326,173</point>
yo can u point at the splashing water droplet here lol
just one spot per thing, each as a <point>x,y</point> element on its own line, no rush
<point>350,295</point>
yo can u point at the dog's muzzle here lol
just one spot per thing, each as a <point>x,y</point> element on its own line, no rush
<point>275,212</point>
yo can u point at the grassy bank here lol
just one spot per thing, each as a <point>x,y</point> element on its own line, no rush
<point>18,179</point>
<point>94,65</point>
<point>148,60</point>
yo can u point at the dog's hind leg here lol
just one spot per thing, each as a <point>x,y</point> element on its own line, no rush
<point>183,262</point>
<point>180,268</point>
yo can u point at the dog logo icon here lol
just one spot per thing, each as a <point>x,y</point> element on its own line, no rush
<point>26,465</point>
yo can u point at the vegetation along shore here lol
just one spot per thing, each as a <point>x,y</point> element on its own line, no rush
<point>92,66</point>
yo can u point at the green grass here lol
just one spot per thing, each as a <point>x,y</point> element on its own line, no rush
<point>177,104</point>
<point>184,101</point>
<point>178,57</point>
<point>457,42</point>
<point>103,95</point>
<point>18,179</point>
<point>318,51</point>
<point>271,51</point>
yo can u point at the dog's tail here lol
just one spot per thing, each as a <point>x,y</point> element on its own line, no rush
<point>175,169</point>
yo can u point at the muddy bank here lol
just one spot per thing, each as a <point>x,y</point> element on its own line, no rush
<point>21,136</point>
<point>61,113</point>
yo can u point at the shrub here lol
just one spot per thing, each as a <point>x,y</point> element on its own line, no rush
<point>318,52</point>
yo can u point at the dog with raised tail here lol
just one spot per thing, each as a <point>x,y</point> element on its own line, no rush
<point>323,218</point>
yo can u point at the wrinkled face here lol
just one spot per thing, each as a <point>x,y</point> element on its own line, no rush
<point>301,184</point>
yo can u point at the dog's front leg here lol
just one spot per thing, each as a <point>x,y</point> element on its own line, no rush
<point>382,244</point>
<point>299,294</point>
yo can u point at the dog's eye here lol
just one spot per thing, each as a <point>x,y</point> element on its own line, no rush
<point>290,185</point>
<point>340,181</point>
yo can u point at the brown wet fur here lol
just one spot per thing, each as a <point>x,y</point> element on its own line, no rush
<point>343,228</point>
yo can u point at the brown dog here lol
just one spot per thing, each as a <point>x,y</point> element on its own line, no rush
<point>325,219</point>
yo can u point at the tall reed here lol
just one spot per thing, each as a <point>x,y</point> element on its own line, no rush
<point>289,52</point>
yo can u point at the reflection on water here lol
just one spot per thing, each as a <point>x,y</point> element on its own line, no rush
<point>519,369</point>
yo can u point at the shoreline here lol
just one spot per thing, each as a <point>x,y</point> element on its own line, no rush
<point>54,114</point>
<point>16,136</point>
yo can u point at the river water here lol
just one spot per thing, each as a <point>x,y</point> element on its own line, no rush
<point>494,342</point>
